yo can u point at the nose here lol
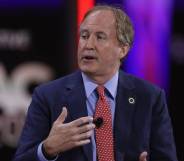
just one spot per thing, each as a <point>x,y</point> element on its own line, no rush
<point>90,43</point>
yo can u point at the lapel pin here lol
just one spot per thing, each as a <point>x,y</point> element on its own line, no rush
<point>131,100</point>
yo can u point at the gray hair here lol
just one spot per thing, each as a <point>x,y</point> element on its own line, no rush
<point>124,27</point>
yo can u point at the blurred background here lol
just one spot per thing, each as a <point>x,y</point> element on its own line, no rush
<point>38,43</point>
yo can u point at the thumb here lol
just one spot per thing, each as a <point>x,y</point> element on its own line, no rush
<point>143,156</point>
<point>61,118</point>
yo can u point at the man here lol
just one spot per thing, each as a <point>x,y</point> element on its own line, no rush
<point>67,119</point>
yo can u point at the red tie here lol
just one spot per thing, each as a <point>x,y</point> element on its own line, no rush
<point>104,134</point>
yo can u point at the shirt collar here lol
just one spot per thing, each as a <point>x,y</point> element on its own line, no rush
<point>110,85</point>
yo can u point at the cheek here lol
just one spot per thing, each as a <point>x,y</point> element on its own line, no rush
<point>111,58</point>
<point>80,47</point>
<point>79,50</point>
<point>81,43</point>
<point>117,54</point>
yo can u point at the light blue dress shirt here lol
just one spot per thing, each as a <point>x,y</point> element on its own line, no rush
<point>90,87</point>
<point>91,100</point>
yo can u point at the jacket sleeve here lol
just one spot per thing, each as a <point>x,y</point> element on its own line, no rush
<point>162,144</point>
<point>36,128</point>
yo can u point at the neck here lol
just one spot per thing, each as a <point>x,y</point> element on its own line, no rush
<point>100,79</point>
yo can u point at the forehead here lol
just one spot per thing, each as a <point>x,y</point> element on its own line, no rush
<point>99,20</point>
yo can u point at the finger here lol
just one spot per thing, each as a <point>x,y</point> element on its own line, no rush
<point>83,136</point>
<point>81,121</point>
<point>143,156</point>
<point>71,144</point>
<point>61,118</point>
<point>82,142</point>
<point>85,128</point>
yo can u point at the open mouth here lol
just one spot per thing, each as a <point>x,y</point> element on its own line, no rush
<point>88,57</point>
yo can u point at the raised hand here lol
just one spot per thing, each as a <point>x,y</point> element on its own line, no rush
<point>143,156</point>
<point>65,136</point>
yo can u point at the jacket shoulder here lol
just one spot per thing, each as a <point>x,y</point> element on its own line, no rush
<point>60,83</point>
<point>140,84</point>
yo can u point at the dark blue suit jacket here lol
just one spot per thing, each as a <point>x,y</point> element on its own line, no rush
<point>142,126</point>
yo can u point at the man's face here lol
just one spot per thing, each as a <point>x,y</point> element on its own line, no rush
<point>99,51</point>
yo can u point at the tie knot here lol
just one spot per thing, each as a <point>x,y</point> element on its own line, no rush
<point>100,91</point>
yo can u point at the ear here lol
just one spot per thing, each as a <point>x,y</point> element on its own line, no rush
<point>124,50</point>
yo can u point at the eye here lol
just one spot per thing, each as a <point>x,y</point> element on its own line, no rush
<point>101,37</point>
<point>84,35</point>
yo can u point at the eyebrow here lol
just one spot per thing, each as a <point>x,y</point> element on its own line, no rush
<point>83,30</point>
<point>101,33</point>
<point>98,32</point>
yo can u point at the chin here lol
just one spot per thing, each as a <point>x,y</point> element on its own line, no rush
<point>86,69</point>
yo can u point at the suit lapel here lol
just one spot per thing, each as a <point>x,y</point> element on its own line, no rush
<point>77,105</point>
<point>123,114</point>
